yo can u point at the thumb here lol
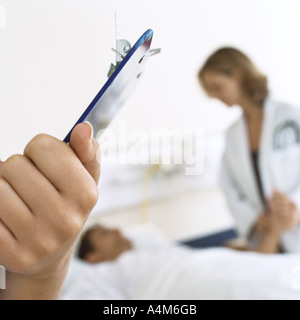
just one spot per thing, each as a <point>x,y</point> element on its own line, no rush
<point>86,148</point>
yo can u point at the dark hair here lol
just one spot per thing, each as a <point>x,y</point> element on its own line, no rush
<point>226,61</point>
<point>85,245</point>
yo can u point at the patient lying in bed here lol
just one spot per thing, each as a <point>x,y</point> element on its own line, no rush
<point>144,265</point>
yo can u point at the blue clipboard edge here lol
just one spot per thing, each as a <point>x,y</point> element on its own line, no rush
<point>144,38</point>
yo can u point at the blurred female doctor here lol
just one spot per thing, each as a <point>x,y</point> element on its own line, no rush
<point>261,166</point>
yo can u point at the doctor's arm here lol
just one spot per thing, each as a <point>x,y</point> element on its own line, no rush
<point>46,196</point>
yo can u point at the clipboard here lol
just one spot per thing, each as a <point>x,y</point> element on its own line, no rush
<point>124,77</point>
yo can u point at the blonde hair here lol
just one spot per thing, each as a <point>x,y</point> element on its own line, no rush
<point>226,61</point>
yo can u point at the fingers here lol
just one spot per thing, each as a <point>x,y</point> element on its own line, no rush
<point>296,215</point>
<point>8,243</point>
<point>87,149</point>
<point>60,165</point>
<point>26,181</point>
<point>284,215</point>
<point>280,203</point>
<point>276,198</point>
<point>46,196</point>
<point>277,195</point>
<point>14,213</point>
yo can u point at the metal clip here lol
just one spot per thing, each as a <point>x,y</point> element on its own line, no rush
<point>122,48</point>
<point>153,52</point>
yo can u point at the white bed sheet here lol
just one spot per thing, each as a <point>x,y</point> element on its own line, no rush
<point>157,269</point>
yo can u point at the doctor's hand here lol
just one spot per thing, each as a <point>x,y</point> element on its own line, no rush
<point>46,195</point>
<point>276,224</point>
<point>284,210</point>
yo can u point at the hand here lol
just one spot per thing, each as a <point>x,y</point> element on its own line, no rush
<point>282,216</point>
<point>46,195</point>
<point>276,224</point>
<point>263,223</point>
<point>284,211</point>
<point>280,204</point>
<point>270,230</point>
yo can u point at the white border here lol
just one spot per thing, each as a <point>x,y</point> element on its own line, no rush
<point>2,278</point>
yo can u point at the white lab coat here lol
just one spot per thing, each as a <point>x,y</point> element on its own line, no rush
<point>279,166</point>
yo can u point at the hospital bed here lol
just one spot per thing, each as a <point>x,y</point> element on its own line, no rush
<point>179,272</point>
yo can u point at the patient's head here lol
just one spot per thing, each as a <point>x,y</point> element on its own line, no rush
<point>101,244</point>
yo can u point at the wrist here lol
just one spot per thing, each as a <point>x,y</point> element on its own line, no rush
<point>44,285</point>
